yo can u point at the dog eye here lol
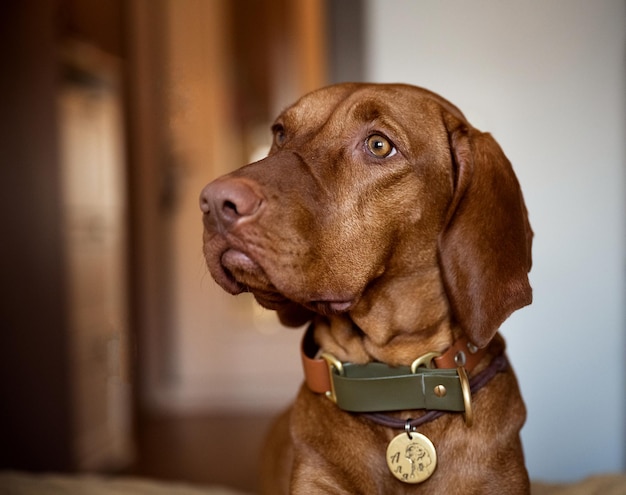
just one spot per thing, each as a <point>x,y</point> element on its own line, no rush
<point>279,135</point>
<point>380,146</point>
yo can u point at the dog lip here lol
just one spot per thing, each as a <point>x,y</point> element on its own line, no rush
<point>233,258</point>
<point>244,274</point>
<point>223,273</point>
<point>227,280</point>
<point>332,306</point>
<point>245,271</point>
<point>269,299</point>
<point>340,306</point>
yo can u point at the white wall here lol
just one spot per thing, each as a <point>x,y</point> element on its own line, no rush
<point>548,79</point>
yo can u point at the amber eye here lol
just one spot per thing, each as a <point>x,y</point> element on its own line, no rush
<point>279,135</point>
<point>380,146</point>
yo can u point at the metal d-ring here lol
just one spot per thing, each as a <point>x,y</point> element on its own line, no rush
<point>333,364</point>
<point>467,396</point>
<point>426,360</point>
<point>332,361</point>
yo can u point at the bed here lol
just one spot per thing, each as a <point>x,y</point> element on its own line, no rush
<point>18,483</point>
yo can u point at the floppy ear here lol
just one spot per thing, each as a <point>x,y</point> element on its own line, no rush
<point>485,247</point>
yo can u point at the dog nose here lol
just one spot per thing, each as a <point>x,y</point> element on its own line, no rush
<point>229,200</point>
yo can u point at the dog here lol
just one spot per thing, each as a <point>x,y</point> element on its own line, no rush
<point>398,232</point>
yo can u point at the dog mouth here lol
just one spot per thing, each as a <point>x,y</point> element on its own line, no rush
<point>237,272</point>
<point>240,273</point>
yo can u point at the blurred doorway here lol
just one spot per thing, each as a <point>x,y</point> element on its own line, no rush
<point>93,171</point>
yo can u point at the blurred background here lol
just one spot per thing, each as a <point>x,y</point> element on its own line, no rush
<point>118,352</point>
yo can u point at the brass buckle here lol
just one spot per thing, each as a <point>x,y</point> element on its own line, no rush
<point>333,364</point>
<point>424,361</point>
<point>467,396</point>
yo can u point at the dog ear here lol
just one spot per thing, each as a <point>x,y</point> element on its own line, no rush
<point>485,247</point>
<point>292,314</point>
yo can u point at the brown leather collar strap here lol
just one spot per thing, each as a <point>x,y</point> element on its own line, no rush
<point>461,353</point>
<point>317,374</point>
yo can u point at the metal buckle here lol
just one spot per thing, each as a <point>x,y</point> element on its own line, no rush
<point>333,364</point>
<point>424,361</point>
<point>467,396</point>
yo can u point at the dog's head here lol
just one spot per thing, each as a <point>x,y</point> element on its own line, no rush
<point>374,197</point>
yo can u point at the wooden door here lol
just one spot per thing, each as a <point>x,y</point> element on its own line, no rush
<point>93,194</point>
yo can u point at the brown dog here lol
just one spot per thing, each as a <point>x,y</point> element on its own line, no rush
<point>398,230</point>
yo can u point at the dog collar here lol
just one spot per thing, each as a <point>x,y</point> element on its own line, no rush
<point>434,382</point>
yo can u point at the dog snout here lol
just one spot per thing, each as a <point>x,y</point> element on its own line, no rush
<point>229,201</point>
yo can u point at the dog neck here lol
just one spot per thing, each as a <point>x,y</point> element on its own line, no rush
<point>396,320</point>
<point>342,337</point>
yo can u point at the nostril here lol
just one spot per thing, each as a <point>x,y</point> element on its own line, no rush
<point>229,200</point>
<point>239,203</point>
<point>229,205</point>
<point>229,210</point>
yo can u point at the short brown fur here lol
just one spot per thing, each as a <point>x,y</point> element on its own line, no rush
<point>389,258</point>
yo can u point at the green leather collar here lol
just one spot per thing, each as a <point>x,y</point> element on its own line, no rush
<point>379,387</point>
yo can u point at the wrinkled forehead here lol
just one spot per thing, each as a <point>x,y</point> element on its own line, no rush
<point>365,102</point>
<point>314,109</point>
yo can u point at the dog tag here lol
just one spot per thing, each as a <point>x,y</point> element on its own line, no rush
<point>411,457</point>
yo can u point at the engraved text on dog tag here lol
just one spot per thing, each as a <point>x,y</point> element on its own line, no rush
<point>411,457</point>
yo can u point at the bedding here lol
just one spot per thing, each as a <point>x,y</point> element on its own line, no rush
<point>609,484</point>
<point>17,483</point>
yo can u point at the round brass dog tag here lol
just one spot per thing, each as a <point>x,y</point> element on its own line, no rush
<point>411,457</point>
